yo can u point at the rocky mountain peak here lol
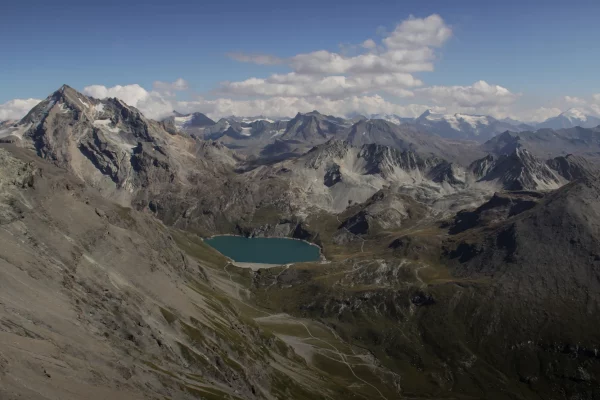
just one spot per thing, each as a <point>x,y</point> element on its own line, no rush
<point>572,167</point>
<point>381,158</point>
<point>425,114</point>
<point>571,118</point>
<point>519,170</point>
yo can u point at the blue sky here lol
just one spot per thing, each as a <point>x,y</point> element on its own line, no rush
<point>540,51</point>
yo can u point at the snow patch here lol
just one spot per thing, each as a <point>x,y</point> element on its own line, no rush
<point>246,132</point>
<point>278,133</point>
<point>249,120</point>
<point>62,108</point>
<point>574,113</point>
<point>84,103</point>
<point>105,125</point>
<point>18,131</point>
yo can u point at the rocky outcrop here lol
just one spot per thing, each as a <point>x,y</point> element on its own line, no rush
<point>572,167</point>
<point>519,170</point>
<point>499,208</point>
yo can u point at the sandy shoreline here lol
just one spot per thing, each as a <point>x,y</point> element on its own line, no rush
<point>254,266</point>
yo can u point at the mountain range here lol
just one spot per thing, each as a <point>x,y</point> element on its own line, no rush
<point>314,127</point>
<point>451,268</point>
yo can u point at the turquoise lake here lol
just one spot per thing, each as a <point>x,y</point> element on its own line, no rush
<point>264,250</point>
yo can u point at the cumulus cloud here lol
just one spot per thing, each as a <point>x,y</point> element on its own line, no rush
<point>157,106</point>
<point>369,44</point>
<point>472,99</point>
<point>419,32</point>
<point>574,100</point>
<point>152,104</point>
<point>538,114</point>
<point>402,60</point>
<point>289,106</point>
<point>406,50</point>
<point>170,87</point>
<point>17,108</point>
<point>479,94</point>
<point>590,106</point>
<point>334,86</point>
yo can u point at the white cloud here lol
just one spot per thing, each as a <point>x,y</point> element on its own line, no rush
<point>152,104</point>
<point>589,106</point>
<point>157,106</point>
<point>539,114</point>
<point>289,106</point>
<point>402,60</point>
<point>170,87</point>
<point>595,109</point>
<point>17,108</point>
<point>386,67</point>
<point>575,100</point>
<point>478,95</point>
<point>479,98</point>
<point>130,94</point>
<point>369,44</point>
<point>417,33</point>
<point>334,86</point>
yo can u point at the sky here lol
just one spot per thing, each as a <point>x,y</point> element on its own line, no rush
<point>524,59</point>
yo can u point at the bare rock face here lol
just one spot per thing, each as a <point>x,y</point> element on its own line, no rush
<point>572,167</point>
<point>332,175</point>
<point>100,301</point>
<point>519,170</point>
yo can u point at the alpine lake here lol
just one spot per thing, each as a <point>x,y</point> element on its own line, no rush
<point>275,251</point>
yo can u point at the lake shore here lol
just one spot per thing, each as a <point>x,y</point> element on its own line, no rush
<point>255,266</point>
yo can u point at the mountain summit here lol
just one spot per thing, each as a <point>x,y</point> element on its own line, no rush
<point>569,119</point>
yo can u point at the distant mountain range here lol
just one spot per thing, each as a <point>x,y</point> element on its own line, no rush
<point>315,127</point>
<point>297,135</point>
<point>548,142</point>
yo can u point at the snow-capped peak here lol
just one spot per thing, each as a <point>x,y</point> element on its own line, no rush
<point>575,113</point>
